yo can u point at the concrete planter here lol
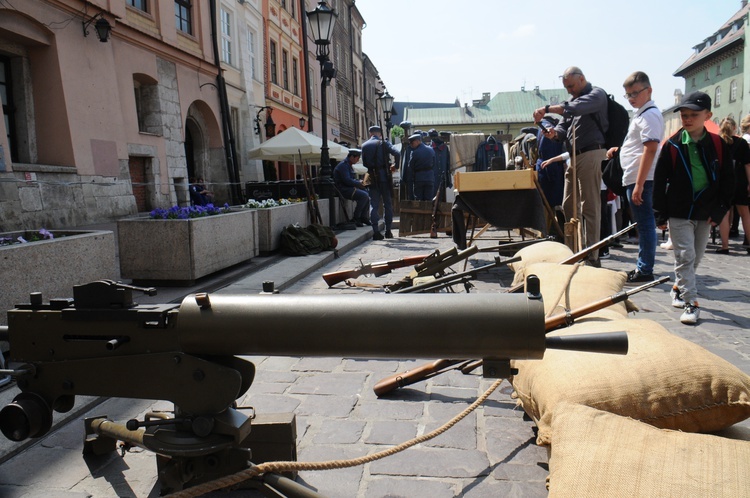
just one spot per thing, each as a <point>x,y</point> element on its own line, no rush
<point>272,220</point>
<point>54,266</point>
<point>181,251</point>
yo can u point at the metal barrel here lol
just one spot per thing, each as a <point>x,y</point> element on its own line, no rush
<point>357,326</point>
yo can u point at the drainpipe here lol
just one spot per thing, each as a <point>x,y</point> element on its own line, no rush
<point>306,59</point>
<point>353,76</point>
<point>229,149</point>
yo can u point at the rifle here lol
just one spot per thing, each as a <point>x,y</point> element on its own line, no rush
<point>513,245</point>
<point>447,280</point>
<point>436,209</point>
<point>581,255</point>
<point>433,265</point>
<point>311,197</point>
<point>377,269</point>
<point>467,366</point>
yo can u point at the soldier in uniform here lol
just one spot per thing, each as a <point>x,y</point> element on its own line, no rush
<point>375,157</point>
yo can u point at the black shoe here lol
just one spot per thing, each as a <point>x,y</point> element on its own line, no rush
<point>636,277</point>
<point>388,234</point>
<point>604,255</point>
<point>734,232</point>
<point>364,221</point>
<point>377,236</point>
<point>722,251</point>
<point>359,224</point>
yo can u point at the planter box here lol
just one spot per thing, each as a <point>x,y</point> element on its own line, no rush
<point>181,251</point>
<point>272,220</point>
<point>54,266</point>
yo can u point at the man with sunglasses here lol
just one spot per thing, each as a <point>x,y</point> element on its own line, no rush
<point>585,115</point>
<point>638,157</point>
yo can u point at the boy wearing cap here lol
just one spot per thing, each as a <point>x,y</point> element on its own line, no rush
<point>352,188</point>
<point>693,185</point>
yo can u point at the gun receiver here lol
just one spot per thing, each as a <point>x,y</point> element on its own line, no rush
<point>455,278</point>
<point>376,269</point>
<point>101,343</point>
<point>434,265</point>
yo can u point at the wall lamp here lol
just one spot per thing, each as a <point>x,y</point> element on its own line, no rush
<point>102,27</point>
<point>302,122</point>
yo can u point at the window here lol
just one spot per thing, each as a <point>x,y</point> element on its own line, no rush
<point>183,16</point>
<point>692,82</point>
<point>717,96</point>
<point>705,75</point>
<point>285,69</point>
<point>295,76</point>
<point>147,104</point>
<point>734,63</point>
<point>718,69</point>
<point>139,4</point>
<point>6,96</point>
<point>274,69</point>
<point>733,91</point>
<point>226,36</point>
<point>251,52</point>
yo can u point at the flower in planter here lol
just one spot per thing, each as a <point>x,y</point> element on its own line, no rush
<point>269,203</point>
<point>187,212</point>
<point>27,237</point>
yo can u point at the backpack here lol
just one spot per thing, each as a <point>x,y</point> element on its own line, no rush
<point>619,120</point>
<point>297,241</point>
<point>325,234</point>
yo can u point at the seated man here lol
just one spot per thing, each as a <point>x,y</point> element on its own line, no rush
<point>351,188</point>
<point>196,193</point>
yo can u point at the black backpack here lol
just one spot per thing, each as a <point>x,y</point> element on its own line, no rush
<point>619,120</point>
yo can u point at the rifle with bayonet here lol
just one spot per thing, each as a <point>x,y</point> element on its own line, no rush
<point>433,265</point>
<point>455,278</point>
<point>376,269</point>
<point>510,246</point>
<point>554,322</point>
<point>581,255</point>
<point>436,208</point>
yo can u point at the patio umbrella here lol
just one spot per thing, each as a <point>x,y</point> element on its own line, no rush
<point>290,143</point>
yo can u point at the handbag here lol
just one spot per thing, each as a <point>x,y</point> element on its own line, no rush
<point>612,174</point>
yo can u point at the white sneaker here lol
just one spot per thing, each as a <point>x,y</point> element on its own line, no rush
<point>666,245</point>
<point>691,314</point>
<point>677,301</point>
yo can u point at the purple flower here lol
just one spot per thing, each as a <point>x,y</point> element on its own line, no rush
<point>46,234</point>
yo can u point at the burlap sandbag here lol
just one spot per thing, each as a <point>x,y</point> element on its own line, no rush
<point>574,286</point>
<point>664,381</point>
<point>595,454</point>
<point>541,252</point>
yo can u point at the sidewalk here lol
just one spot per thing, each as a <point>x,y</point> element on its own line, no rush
<point>490,453</point>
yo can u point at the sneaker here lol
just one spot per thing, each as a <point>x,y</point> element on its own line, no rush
<point>722,250</point>
<point>377,236</point>
<point>388,234</point>
<point>691,314</point>
<point>604,255</point>
<point>636,277</point>
<point>667,245</point>
<point>365,221</point>
<point>677,301</point>
<point>358,224</point>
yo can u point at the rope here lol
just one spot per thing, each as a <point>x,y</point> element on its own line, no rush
<point>565,288</point>
<point>278,467</point>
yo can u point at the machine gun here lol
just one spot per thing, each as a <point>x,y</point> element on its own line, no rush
<point>101,343</point>
<point>434,265</point>
<point>377,269</point>
<point>456,278</point>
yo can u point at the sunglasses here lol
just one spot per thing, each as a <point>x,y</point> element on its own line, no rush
<point>635,94</point>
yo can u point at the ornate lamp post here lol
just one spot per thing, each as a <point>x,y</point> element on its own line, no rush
<point>322,20</point>
<point>386,102</point>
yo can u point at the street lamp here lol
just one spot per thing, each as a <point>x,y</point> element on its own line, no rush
<point>386,102</point>
<point>322,20</point>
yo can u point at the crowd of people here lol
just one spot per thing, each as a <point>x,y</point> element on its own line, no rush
<point>686,184</point>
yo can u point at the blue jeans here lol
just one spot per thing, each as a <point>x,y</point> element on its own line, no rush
<point>644,216</point>
<point>375,196</point>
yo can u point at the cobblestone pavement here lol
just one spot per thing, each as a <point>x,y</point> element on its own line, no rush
<point>492,452</point>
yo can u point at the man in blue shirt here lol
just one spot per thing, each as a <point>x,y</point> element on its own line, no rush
<point>375,152</point>
<point>352,188</point>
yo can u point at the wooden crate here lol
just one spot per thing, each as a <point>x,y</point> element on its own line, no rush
<point>481,181</point>
<point>416,217</point>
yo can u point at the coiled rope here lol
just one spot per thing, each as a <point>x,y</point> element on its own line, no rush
<point>281,466</point>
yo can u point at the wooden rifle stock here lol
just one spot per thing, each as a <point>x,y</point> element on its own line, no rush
<point>550,324</point>
<point>376,269</point>
<point>413,376</point>
<point>580,255</point>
